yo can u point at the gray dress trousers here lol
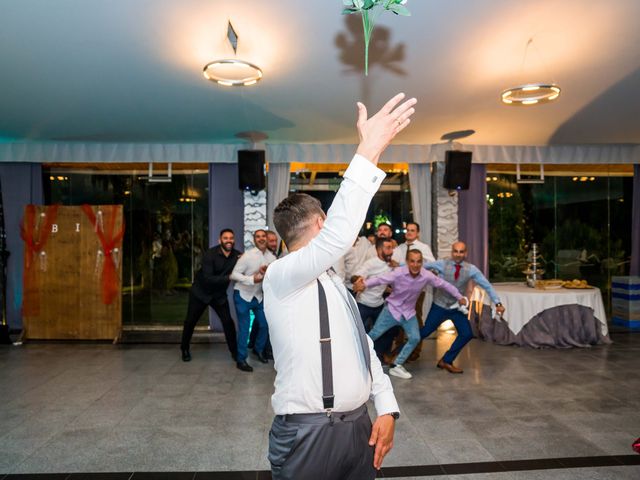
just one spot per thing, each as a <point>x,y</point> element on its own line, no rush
<point>316,447</point>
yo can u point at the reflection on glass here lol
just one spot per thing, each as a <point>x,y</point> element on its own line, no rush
<point>166,233</point>
<point>580,222</point>
<point>392,203</point>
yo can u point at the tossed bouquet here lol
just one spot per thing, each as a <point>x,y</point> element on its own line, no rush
<point>370,10</point>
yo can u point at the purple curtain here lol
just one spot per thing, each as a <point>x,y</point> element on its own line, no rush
<point>226,210</point>
<point>473,218</point>
<point>21,185</point>
<point>226,202</point>
<point>635,224</point>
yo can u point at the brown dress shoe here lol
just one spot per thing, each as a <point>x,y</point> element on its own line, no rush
<point>449,367</point>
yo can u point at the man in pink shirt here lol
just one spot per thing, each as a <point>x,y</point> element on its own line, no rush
<point>407,283</point>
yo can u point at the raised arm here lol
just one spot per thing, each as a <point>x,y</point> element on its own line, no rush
<point>348,210</point>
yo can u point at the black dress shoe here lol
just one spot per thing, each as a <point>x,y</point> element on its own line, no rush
<point>261,358</point>
<point>268,354</point>
<point>234,356</point>
<point>186,355</point>
<point>244,366</point>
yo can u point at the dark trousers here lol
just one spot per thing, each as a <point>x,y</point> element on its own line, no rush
<point>369,316</point>
<point>436,316</point>
<point>316,447</point>
<point>255,327</point>
<point>195,310</point>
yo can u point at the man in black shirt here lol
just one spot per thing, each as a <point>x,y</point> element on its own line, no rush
<point>210,288</point>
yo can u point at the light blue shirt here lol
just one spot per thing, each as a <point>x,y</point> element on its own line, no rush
<point>446,269</point>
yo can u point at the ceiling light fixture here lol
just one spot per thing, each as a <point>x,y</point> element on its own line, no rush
<point>232,72</point>
<point>530,94</point>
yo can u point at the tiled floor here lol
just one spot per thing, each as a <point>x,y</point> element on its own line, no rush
<point>73,408</point>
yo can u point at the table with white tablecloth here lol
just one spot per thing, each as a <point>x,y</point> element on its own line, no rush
<point>546,318</point>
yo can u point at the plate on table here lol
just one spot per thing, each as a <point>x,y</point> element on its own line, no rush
<point>549,284</point>
<point>576,284</point>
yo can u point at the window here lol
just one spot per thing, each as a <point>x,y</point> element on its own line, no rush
<point>166,230</point>
<point>392,203</point>
<point>579,217</point>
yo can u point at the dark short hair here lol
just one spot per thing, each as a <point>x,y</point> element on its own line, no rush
<point>413,250</point>
<point>384,224</point>
<point>259,230</point>
<point>226,230</point>
<point>414,223</point>
<point>381,241</point>
<point>292,215</point>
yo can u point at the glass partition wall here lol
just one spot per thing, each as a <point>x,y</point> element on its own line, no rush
<point>166,230</point>
<point>579,217</point>
<point>392,203</point>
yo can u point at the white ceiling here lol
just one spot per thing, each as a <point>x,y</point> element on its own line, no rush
<point>131,70</point>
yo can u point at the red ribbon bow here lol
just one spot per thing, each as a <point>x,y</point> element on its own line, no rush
<point>109,241</point>
<point>35,240</point>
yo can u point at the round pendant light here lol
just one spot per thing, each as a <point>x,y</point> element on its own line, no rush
<point>232,73</point>
<point>530,94</point>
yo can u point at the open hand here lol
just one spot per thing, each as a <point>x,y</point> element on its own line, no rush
<point>382,438</point>
<point>378,131</point>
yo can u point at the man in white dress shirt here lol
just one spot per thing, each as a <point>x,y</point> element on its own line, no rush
<point>355,257</point>
<point>247,296</point>
<point>272,245</point>
<point>371,301</point>
<point>412,241</point>
<point>272,242</point>
<point>321,429</point>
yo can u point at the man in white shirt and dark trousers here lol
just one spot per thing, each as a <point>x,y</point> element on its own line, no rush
<point>411,242</point>
<point>371,301</point>
<point>248,274</point>
<point>355,257</point>
<point>326,369</point>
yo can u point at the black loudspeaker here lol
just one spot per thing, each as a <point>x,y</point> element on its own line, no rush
<point>457,170</point>
<point>251,170</point>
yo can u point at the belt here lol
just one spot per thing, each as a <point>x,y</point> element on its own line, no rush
<point>320,418</point>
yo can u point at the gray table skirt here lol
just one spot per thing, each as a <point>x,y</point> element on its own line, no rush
<point>565,326</point>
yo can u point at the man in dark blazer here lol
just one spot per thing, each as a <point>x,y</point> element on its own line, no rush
<point>210,289</point>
